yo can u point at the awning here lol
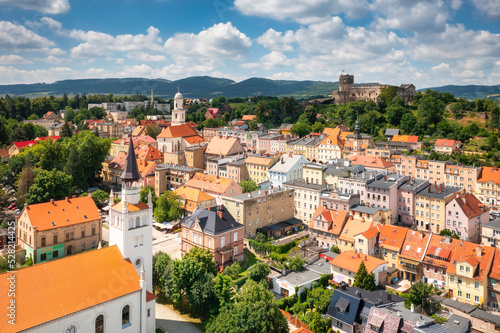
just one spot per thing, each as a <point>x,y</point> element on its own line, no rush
<point>338,278</point>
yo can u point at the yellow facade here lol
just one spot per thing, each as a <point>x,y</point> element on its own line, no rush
<point>463,287</point>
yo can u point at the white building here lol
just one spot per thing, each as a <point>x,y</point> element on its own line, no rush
<point>95,291</point>
<point>288,168</point>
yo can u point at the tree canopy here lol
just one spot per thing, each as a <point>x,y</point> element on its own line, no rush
<point>168,207</point>
<point>364,280</point>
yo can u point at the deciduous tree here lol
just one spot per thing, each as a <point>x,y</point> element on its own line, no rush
<point>248,186</point>
<point>168,207</point>
<point>49,185</point>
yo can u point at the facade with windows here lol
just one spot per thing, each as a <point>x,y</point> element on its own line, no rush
<point>56,229</point>
<point>105,295</point>
<point>465,215</point>
<point>307,198</point>
<point>258,209</point>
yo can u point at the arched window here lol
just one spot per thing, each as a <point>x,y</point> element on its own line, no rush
<point>71,329</point>
<point>126,316</point>
<point>99,324</point>
<point>131,223</point>
<point>144,220</point>
<point>137,222</point>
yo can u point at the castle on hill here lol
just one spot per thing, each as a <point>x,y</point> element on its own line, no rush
<point>348,93</point>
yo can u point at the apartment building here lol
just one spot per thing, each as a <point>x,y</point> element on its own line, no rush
<point>430,206</point>
<point>383,192</point>
<point>169,177</point>
<point>332,199</point>
<point>288,168</point>
<point>326,225</point>
<point>257,209</point>
<point>488,187</point>
<point>306,198</point>
<point>341,168</point>
<point>490,233</point>
<point>390,243</point>
<point>445,146</point>
<point>356,183</point>
<point>407,192</point>
<point>464,216</point>
<point>313,173</point>
<point>258,166</point>
<point>55,229</point>
<point>412,255</point>
<point>493,300</point>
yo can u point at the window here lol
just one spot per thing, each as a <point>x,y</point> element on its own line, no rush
<point>93,230</point>
<point>235,250</point>
<point>459,280</point>
<point>126,316</point>
<point>83,233</point>
<point>476,299</point>
<point>452,278</point>
<point>459,294</point>
<point>83,246</point>
<point>467,269</point>
<point>467,296</point>
<point>476,285</point>
<point>55,254</point>
<point>209,241</point>
<point>461,268</point>
<point>71,329</point>
<point>55,239</point>
<point>43,241</point>
<point>43,256</point>
<point>99,324</point>
<point>235,236</point>
<point>223,241</point>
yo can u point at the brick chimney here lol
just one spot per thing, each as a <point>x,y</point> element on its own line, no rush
<point>220,212</point>
<point>429,188</point>
<point>282,160</point>
<point>52,202</point>
<point>67,199</point>
<point>479,251</point>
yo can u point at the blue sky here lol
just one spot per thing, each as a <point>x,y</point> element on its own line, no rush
<point>425,42</point>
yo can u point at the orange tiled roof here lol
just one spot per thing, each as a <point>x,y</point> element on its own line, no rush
<point>495,267</point>
<point>259,160</point>
<point>353,227</point>
<point>131,208</point>
<point>446,143</point>
<point>466,252</point>
<point>193,194</point>
<point>249,117</point>
<point>343,135</point>
<point>489,174</point>
<point>440,248</point>
<point>210,183</point>
<point>177,131</point>
<point>370,233</point>
<point>392,237</point>
<point>221,146</point>
<point>62,213</point>
<point>4,152</point>
<point>138,130</point>
<point>58,288</point>
<point>371,162</point>
<point>470,205</point>
<point>350,261</point>
<point>405,138</point>
<point>415,245</point>
<point>302,330</point>
<point>148,153</point>
<point>194,139</point>
<point>336,219</point>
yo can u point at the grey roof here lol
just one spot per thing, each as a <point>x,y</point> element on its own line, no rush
<point>458,323</point>
<point>283,224</point>
<point>367,210</point>
<point>366,176</point>
<point>392,144</point>
<point>210,222</point>
<point>386,182</point>
<point>342,304</point>
<point>177,167</point>
<point>288,163</point>
<point>392,131</point>
<point>315,165</point>
<point>130,170</point>
<point>448,190</point>
<point>255,194</point>
<point>350,314</point>
<point>320,266</point>
<point>237,162</point>
<point>406,314</point>
<point>339,168</point>
<point>411,184</point>
<point>300,278</point>
<point>433,328</point>
<point>495,224</point>
<point>296,183</point>
<point>330,254</point>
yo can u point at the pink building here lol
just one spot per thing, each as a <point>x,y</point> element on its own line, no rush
<point>406,200</point>
<point>214,229</point>
<point>383,193</point>
<point>464,216</point>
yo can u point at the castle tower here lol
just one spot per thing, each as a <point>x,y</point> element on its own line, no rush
<point>346,82</point>
<point>178,113</point>
<point>130,221</point>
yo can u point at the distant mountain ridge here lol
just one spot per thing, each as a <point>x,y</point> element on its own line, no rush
<point>470,91</point>
<point>207,87</point>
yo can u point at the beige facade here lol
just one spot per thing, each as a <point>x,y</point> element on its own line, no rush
<point>170,177</point>
<point>195,157</point>
<point>490,234</point>
<point>258,209</point>
<point>314,173</point>
<point>306,199</point>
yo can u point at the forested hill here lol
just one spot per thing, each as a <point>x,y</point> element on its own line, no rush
<point>196,87</point>
<point>471,92</point>
<point>207,87</point>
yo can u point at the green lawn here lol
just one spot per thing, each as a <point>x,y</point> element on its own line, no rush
<point>250,259</point>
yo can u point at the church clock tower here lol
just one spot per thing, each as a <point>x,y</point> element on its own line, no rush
<point>178,113</point>
<point>130,221</point>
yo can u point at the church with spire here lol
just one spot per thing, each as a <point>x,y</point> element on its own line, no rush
<point>181,144</point>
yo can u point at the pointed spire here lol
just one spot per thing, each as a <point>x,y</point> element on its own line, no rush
<point>111,197</point>
<point>130,170</point>
<point>357,129</point>
<point>150,199</point>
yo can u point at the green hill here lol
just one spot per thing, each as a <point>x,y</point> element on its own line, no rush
<point>471,91</point>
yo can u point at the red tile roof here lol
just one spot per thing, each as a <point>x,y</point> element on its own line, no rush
<point>495,267</point>
<point>350,261</point>
<point>22,144</point>
<point>371,162</point>
<point>489,174</point>
<point>58,288</point>
<point>466,252</point>
<point>3,153</point>
<point>470,205</point>
<point>405,138</point>
<point>194,139</point>
<point>415,245</point>
<point>336,219</point>
<point>446,143</point>
<point>249,117</point>
<point>62,213</point>
<point>177,131</point>
<point>391,237</point>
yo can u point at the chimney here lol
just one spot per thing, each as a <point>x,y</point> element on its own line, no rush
<point>435,187</point>
<point>429,188</point>
<point>442,187</point>
<point>282,160</point>
<point>74,196</point>
<point>385,177</point>
<point>67,199</point>
<point>220,213</point>
<point>422,235</point>
<point>479,251</point>
<point>289,155</point>
<point>52,202</point>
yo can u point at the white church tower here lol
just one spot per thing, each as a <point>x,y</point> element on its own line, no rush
<point>178,113</point>
<point>131,221</point>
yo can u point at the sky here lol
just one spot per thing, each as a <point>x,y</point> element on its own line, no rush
<point>427,43</point>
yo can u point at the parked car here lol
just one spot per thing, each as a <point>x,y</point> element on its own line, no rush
<point>12,206</point>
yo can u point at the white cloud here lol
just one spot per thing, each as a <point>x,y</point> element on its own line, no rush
<point>489,8</point>
<point>277,41</point>
<point>269,61</point>
<point>12,75</point>
<point>221,41</point>
<point>51,23</point>
<point>15,37</point>
<point>146,57</point>
<point>14,59</point>
<point>44,6</point>
<point>301,11</point>
<point>441,66</point>
<point>101,44</point>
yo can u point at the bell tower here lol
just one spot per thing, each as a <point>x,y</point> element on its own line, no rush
<point>178,113</point>
<point>130,221</point>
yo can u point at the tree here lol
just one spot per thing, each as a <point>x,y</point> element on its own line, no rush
<point>254,310</point>
<point>419,292</point>
<point>259,271</point>
<point>233,271</point>
<point>92,151</point>
<point>168,207</point>
<point>364,280</point>
<point>395,113</point>
<point>248,186</point>
<point>301,129</point>
<point>296,263</point>
<point>161,263</point>
<point>27,179</point>
<point>223,289</point>
<point>153,131</point>
<point>310,114</point>
<point>49,185</point>
<point>66,131</point>
<point>69,115</point>
<point>408,122</point>
<point>335,249</point>
<point>318,127</point>
<point>445,232</point>
<point>261,110</point>
<point>145,193</point>
<point>74,167</point>
<point>100,197</point>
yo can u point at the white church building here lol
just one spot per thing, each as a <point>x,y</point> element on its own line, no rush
<point>106,290</point>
